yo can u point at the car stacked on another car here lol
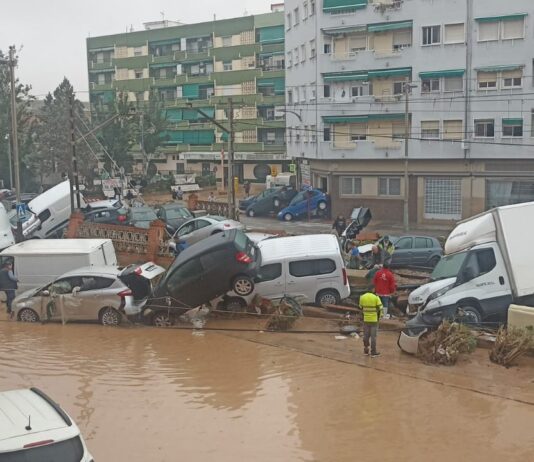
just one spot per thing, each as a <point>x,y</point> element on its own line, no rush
<point>308,201</point>
<point>141,217</point>
<point>271,200</point>
<point>174,215</point>
<point>423,251</point>
<point>200,228</point>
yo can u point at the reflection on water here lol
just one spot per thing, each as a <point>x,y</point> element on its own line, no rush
<point>162,395</point>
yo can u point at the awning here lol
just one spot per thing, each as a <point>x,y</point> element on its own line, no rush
<point>277,82</point>
<point>388,116</point>
<point>438,74</point>
<point>344,30</point>
<point>332,6</point>
<point>403,71</point>
<point>160,65</point>
<point>271,34</point>
<point>156,43</point>
<point>515,122</point>
<point>96,50</point>
<point>503,67</point>
<point>271,53</point>
<point>383,27</point>
<point>191,90</point>
<point>346,119</point>
<point>101,71</point>
<point>507,17</point>
<point>345,77</point>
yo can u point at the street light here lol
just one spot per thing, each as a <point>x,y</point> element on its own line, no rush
<point>8,140</point>
<point>406,215</point>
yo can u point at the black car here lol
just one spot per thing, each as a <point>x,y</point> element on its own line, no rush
<point>110,215</point>
<point>271,200</point>
<point>174,215</point>
<point>210,268</point>
<point>141,217</point>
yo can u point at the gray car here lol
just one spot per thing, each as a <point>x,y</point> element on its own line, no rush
<point>424,251</point>
<point>199,228</point>
<point>95,293</point>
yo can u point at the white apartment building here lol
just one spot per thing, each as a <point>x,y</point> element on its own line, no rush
<point>469,65</point>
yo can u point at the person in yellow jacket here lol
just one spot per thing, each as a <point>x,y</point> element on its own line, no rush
<point>371,306</point>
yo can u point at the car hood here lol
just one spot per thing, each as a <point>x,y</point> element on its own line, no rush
<point>421,294</point>
<point>27,294</point>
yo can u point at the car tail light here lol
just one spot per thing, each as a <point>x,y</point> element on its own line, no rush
<point>227,225</point>
<point>345,278</point>
<point>38,443</point>
<point>121,218</point>
<point>125,293</point>
<point>138,271</point>
<point>242,257</point>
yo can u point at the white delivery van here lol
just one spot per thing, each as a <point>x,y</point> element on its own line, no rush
<point>33,428</point>
<point>309,267</point>
<point>6,233</point>
<point>49,212</point>
<point>487,266</point>
<point>282,179</point>
<point>37,262</point>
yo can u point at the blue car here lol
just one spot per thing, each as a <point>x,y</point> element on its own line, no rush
<point>298,207</point>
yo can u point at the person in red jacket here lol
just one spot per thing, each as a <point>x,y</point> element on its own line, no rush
<point>385,286</point>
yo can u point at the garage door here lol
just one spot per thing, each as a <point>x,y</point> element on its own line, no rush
<point>443,198</point>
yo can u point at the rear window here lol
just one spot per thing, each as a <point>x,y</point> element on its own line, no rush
<point>311,267</point>
<point>144,215</point>
<point>178,213</point>
<point>270,272</point>
<point>64,451</point>
<point>244,244</point>
<point>95,283</point>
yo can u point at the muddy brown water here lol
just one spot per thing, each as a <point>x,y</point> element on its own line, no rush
<point>142,394</point>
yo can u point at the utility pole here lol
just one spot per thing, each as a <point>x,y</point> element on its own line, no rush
<point>231,188</point>
<point>74,159</point>
<point>8,138</point>
<point>14,135</point>
<point>406,212</point>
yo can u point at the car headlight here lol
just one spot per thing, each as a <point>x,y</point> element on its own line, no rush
<point>439,292</point>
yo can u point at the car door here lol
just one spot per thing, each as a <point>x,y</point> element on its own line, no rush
<point>403,252</point>
<point>90,298</point>
<point>271,281</point>
<point>422,251</point>
<point>203,229</point>
<point>185,232</point>
<point>216,272</point>
<point>186,283</point>
<point>57,305</point>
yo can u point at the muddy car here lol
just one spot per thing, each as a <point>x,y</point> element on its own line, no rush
<point>201,273</point>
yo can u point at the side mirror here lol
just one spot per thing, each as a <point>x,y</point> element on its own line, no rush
<point>45,293</point>
<point>75,290</point>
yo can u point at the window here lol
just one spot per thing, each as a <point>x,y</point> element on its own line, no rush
<point>351,185</point>
<point>512,127</point>
<point>388,186</point>
<point>358,132</point>
<point>312,49</point>
<point>313,131</point>
<point>423,243</point>
<point>398,129</point>
<point>270,272</point>
<point>180,167</point>
<point>356,92</point>
<point>94,283</point>
<point>430,129</point>
<point>326,134</point>
<point>485,128</point>
<point>138,74</point>
<point>488,31</point>
<point>402,39</point>
<point>443,198</point>
<point>479,263</point>
<point>453,84</point>
<point>305,268</point>
<point>357,42</point>
<point>487,80</point>
<point>507,192</point>
<point>313,95</point>
<point>532,123</point>
<point>312,7</point>
<point>296,55</point>
<point>304,94</point>
<point>296,16</point>
<point>138,51</point>
<point>404,243</point>
<point>326,91</point>
<point>227,65</point>
<point>431,35</point>
<point>398,88</point>
<point>452,130</point>
<point>101,79</point>
<point>140,96</point>
<point>430,86</point>
<point>227,41</point>
<point>512,79</point>
<point>70,450</point>
<point>303,53</point>
<point>289,59</point>
<point>454,33</point>
<point>305,12</point>
<point>327,48</point>
<point>288,21</point>
<point>289,97</point>
<point>513,29</point>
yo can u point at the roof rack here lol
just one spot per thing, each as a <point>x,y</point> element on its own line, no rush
<point>55,405</point>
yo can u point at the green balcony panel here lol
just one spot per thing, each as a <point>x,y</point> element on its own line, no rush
<point>384,27</point>
<point>268,19</point>
<point>235,77</point>
<point>105,96</point>
<point>500,68</point>
<point>506,17</point>
<point>135,62</point>
<point>192,137</point>
<point>510,122</point>
<point>155,43</point>
<point>438,74</point>
<point>235,52</point>
<point>272,34</point>
<point>399,72</point>
<point>132,84</point>
<point>334,6</point>
<point>345,77</point>
<point>191,91</point>
<point>161,65</point>
<point>272,47</point>
<point>279,84</point>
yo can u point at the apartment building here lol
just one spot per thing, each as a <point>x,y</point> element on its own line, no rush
<point>466,67</point>
<point>202,66</point>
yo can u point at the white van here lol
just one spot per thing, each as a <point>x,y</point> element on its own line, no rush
<point>282,179</point>
<point>49,212</point>
<point>33,428</point>
<point>6,233</point>
<point>309,267</point>
<point>37,262</point>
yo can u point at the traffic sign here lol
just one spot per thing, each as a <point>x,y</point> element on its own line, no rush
<point>292,168</point>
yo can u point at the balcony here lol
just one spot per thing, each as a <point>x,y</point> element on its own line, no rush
<point>365,149</point>
<point>158,83</point>
<point>95,66</point>
<point>368,59</point>
<point>102,86</point>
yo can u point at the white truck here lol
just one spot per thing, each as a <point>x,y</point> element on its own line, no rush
<point>6,234</point>
<point>487,266</point>
<point>37,262</point>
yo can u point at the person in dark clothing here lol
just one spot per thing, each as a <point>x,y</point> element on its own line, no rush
<point>8,283</point>
<point>339,225</point>
<point>247,188</point>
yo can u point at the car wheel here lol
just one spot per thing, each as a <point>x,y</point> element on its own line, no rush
<point>235,304</point>
<point>321,205</point>
<point>327,297</point>
<point>243,285</point>
<point>162,319</point>
<point>250,213</point>
<point>470,315</point>
<point>288,217</point>
<point>434,261</point>
<point>276,202</point>
<point>28,315</point>
<point>110,317</point>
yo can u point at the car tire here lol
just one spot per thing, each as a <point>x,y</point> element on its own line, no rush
<point>434,261</point>
<point>327,297</point>
<point>235,305</point>
<point>110,317</point>
<point>162,319</point>
<point>28,315</point>
<point>276,203</point>
<point>250,213</point>
<point>321,205</point>
<point>471,316</point>
<point>243,285</point>
<point>288,217</point>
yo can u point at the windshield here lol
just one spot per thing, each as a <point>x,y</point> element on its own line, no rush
<point>449,266</point>
<point>12,215</point>
<point>178,213</point>
<point>301,196</point>
<point>65,451</point>
<point>218,218</point>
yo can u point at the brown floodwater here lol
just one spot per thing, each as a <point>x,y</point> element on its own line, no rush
<point>142,394</point>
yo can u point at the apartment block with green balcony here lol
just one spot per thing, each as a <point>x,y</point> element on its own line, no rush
<point>201,66</point>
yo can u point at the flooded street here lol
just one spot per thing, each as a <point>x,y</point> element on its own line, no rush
<point>142,394</point>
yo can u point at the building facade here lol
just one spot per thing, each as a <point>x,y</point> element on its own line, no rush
<point>203,66</point>
<point>466,68</point>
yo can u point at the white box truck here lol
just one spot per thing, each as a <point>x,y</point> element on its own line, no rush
<point>487,266</point>
<point>6,234</point>
<point>37,262</point>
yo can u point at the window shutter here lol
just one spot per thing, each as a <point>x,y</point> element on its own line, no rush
<point>452,130</point>
<point>488,31</point>
<point>487,76</point>
<point>513,29</point>
<point>454,33</point>
<point>402,37</point>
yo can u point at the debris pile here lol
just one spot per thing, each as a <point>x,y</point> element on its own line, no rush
<point>446,344</point>
<point>285,315</point>
<point>511,344</point>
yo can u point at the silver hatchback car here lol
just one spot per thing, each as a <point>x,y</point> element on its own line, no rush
<point>96,293</point>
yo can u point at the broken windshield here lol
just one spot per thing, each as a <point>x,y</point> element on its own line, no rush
<point>449,266</point>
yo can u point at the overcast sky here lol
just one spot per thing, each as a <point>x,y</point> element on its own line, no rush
<point>53,32</point>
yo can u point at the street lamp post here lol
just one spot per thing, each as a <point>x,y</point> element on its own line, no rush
<point>8,139</point>
<point>406,212</point>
